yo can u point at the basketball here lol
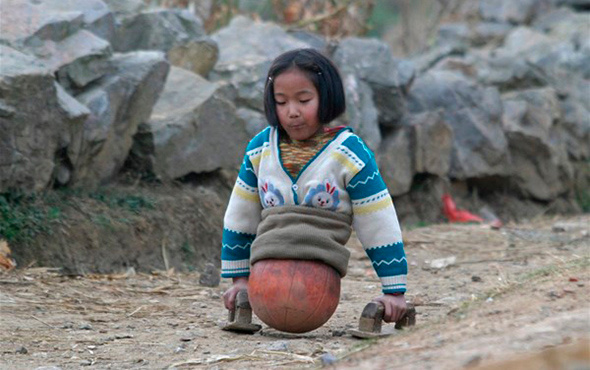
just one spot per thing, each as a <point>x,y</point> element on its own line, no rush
<point>294,296</point>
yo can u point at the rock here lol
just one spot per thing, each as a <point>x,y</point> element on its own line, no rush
<point>33,22</point>
<point>395,161</point>
<point>22,350</point>
<point>441,263</point>
<point>189,124</point>
<point>210,277</point>
<point>371,61</point>
<point>432,140</point>
<point>361,113</point>
<point>474,114</point>
<point>486,32</point>
<point>516,12</point>
<point>530,122</point>
<point>39,120</point>
<point>119,103</point>
<point>68,36</point>
<point>178,33</point>
<point>254,120</point>
<point>246,50</point>
<point>328,359</point>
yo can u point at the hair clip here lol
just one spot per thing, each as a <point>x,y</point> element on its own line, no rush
<point>270,78</point>
<point>320,73</point>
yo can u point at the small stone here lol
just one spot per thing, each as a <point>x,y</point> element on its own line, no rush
<point>67,325</point>
<point>338,333</point>
<point>476,279</point>
<point>85,326</point>
<point>473,361</point>
<point>328,359</point>
<point>86,363</point>
<point>22,351</point>
<point>123,336</point>
<point>210,277</point>
<point>280,346</point>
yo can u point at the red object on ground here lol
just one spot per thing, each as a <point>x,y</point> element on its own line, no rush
<point>457,215</point>
<point>294,296</point>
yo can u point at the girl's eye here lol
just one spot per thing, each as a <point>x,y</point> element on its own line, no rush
<point>304,101</point>
<point>280,102</point>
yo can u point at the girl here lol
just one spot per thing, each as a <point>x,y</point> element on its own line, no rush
<point>303,185</point>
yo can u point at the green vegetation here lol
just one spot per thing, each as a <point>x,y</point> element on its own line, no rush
<point>22,216</point>
<point>583,199</point>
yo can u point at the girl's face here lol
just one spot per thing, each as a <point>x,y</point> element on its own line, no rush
<point>297,101</point>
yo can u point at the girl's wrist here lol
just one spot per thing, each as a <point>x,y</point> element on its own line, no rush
<point>240,279</point>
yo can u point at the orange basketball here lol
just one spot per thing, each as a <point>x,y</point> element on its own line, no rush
<point>294,296</point>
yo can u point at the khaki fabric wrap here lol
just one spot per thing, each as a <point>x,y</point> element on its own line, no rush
<point>305,233</point>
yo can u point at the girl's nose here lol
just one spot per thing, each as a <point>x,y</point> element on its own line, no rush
<point>293,112</point>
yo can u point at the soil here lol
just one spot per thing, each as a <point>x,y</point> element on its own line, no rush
<point>482,296</point>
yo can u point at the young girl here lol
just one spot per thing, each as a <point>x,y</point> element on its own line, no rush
<point>301,178</point>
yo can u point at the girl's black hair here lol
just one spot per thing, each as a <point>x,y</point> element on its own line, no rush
<point>324,76</point>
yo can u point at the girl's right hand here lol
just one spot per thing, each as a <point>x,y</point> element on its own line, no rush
<point>229,297</point>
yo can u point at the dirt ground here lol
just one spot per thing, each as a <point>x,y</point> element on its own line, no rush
<point>482,296</point>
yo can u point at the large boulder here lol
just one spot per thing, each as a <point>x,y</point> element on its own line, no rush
<point>361,113</point>
<point>422,145</point>
<point>38,120</point>
<point>189,125</point>
<point>540,168</point>
<point>395,160</point>
<point>508,11</point>
<point>474,113</point>
<point>119,102</point>
<point>246,50</point>
<point>35,21</point>
<point>389,78</point>
<point>63,34</point>
<point>178,33</point>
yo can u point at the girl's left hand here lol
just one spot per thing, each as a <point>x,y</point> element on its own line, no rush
<point>395,306</point>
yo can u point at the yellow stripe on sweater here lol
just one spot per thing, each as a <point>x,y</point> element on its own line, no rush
<point>373,207</point>
<point>346,162</point>
<point>256,159</point>
<point>251,197</point>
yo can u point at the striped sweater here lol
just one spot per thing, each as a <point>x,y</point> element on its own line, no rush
<point>342,177</point>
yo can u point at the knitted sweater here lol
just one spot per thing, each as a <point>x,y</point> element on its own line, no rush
<point>342,177</point>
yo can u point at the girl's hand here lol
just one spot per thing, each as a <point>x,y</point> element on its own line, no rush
<point>395,306</point>
<point>229,297</point>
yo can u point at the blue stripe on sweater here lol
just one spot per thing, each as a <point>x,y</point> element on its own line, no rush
<point>367,182</point>
<point>236,246</point>
<point>247,174</point>
<point>389,260</point>
<point>259,140</point>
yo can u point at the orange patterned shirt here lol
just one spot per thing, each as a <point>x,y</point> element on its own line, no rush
<point>295,154</point>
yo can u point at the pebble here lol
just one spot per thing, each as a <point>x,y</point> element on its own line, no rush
<point>472,361</point>
<point>85,326</point>
<point>123,336</point>
<point>210,277</point>
<point>22,350</point>
<point>328,359</point>
<point>281,346</point>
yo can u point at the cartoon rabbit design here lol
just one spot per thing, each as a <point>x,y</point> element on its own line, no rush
<point>323,196</point>
<point>270,196</point>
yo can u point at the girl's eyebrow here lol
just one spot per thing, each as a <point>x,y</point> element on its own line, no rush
<point>297,93</point>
